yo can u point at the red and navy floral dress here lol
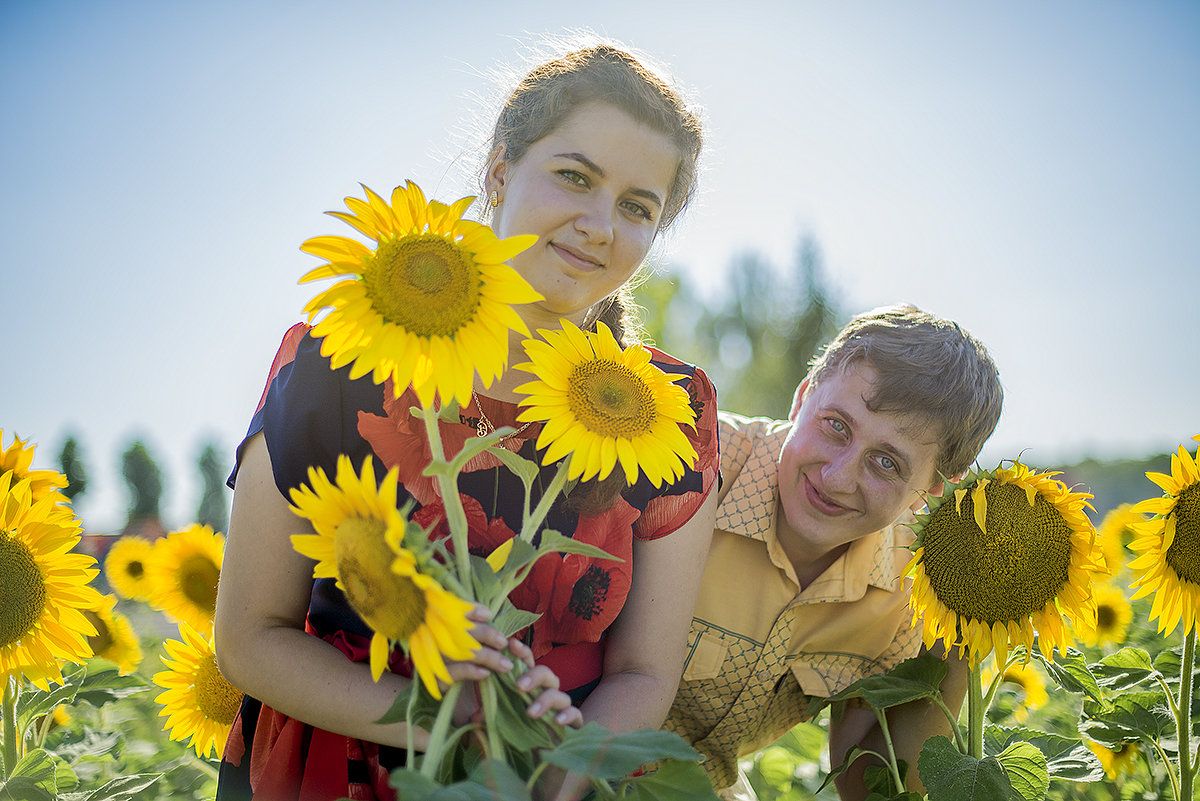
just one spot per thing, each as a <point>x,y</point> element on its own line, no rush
<point>309,414</point>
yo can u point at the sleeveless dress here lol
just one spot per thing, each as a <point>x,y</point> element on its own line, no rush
<point>309,414</point>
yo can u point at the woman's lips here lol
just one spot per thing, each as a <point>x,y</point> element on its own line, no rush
<point>575,258</point>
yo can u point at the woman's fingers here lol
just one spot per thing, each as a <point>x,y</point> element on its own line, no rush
<point>542,683</point>
<point>521,651</point>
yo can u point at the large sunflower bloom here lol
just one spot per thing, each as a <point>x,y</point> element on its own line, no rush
<point>183,572</point>
<point>18,457</point>
<point>604,406</point>
<point>199,702</point>
<point>44,587</point>
<point>1000,554</point>
<point>1113,616</point>
<point>125,567</point>
<point>115,640</point>
<point>1168,545</point>
<point>429,305</point>
<point>359,541</point>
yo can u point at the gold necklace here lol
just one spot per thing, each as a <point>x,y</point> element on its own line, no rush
<point>485,426</point>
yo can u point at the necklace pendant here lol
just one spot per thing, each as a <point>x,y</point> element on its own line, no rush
<point>481,429</point>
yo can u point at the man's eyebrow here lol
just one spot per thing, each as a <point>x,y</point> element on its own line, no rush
<point>595,168</point>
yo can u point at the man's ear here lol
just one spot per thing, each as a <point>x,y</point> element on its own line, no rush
<point>798,399</point>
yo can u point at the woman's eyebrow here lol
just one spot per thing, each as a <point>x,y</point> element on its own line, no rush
<point>599,172</point>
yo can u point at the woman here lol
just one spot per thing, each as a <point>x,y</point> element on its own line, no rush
<point>595,155</point>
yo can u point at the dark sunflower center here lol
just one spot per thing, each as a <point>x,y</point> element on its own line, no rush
<point>390,604</point>
<point>103,639</point>
<point>198,577</point>
<point>135,569</point>
<point>423,283</point>
<point>22,590</point>
<point>1184,554</point>
<point>589,593</point>
<point>1106,617</point>
<point>217,699</point>
<point>611,400</point>
<point>1013,570</point>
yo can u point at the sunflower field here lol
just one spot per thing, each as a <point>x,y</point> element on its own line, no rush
<point>112,688</point>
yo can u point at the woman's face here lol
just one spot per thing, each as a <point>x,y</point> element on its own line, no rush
<point>593,191</point>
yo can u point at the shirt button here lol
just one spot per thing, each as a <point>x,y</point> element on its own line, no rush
<point>764,675</point>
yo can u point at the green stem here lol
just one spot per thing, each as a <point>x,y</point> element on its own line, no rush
<point>887,739</point>
<point>1187,767</point>
<point>437,737</point>
<point>456,518</point>
<point>11,743</point>
<point>495,745</point>
<point>975,711</point>
<point>534,523</point>
<point>1162,755</point>
<point>954,727</point>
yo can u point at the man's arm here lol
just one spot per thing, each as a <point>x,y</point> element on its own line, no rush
<point>910,726</point>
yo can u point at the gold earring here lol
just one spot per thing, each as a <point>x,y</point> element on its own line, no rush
<point>494,199</point>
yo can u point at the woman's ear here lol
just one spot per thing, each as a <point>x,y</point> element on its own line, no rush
<point>496,172</point>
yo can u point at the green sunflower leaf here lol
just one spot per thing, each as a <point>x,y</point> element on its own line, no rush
<point>1067,759</point>
<point>597,752</point>
<point>1123,670</point>
<point>911,680</point>
<point>34,777</point>
<point>554,542</point>
<point>1072,673</point>
<point>122,788</point>
<point>1130,716</point>
<point>524,469</point>
<point>499,780</point>
<point>1026,769</point>
<point>949,775</point>
<point>675,780</point>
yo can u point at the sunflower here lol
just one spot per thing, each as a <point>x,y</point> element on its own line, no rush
<point>1113,615</point>
<point>1028,688</point>
<point>1116,763</point>
<point>125,567</point>
<point>1000,554</point>
<point>199,703</point>
<point>604,405</point>
<point>1168,545</point>
<point>115,640</point>
<point>44,587</point>
<point>1116,532</point>
<point>18,457</point>
<point>183,574</point>
<point>359,541</point>
<point>429,305</point>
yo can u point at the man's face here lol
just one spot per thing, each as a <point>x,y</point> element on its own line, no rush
<point>846,471</point>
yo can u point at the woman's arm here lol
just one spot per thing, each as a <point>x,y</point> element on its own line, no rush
<point>644,648</point>
<point>262,601</point>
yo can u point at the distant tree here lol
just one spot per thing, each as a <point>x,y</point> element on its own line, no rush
<point>757,336</point>
<point>213,511</point>
<point>71,464</point>
<point>144,479</point>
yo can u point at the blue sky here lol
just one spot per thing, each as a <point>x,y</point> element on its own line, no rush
<point>1027,169</point>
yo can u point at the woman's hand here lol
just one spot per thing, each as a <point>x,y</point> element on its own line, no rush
<point>495,655</point>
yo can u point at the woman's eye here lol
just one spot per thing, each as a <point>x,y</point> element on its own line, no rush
<point>638,210</point>
<point>573,176</point>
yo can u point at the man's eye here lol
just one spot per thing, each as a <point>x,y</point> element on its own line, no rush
<point>886,463</point>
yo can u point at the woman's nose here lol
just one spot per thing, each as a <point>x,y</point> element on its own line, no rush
<point>595,218</point>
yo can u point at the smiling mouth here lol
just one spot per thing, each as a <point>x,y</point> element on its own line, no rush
<point>574,258</point>
<point>821,503</point>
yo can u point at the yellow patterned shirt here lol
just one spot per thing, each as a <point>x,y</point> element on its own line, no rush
<point>762,653</point>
